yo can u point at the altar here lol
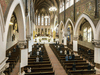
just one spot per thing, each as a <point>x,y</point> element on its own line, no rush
<point>43,39</point>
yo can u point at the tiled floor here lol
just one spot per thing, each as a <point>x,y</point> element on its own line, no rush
<point>55,63</point>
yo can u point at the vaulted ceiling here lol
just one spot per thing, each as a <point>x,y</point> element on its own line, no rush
<point>45,4</point>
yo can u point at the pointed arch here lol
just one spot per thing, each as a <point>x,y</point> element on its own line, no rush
<point>17,7</point>
<point>79,21</point>
<point>66,25</point>
<point>60,26</point>
<point>1,24</point>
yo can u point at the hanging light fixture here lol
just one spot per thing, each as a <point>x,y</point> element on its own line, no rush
<point>53,8</point>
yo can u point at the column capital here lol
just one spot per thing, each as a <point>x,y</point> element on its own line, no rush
<point>75,37</point>
<point>96,43</point>
<point>65,33</point>
<point>28,37</point>
<point>22,43</point>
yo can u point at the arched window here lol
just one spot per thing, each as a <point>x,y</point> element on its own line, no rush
<point>42,20</point>
<point>69,3</point>
<point>49,21</point>
<point>89,35</point>
<point>46,21</point>
<point>85,34</point>
<point>38,19</point>
<point>77,0</point>
<point>61,7</point>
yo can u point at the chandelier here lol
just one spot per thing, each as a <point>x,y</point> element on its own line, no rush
<point>53,8</point>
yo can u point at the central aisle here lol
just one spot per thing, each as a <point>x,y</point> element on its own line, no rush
<point>57,67</point>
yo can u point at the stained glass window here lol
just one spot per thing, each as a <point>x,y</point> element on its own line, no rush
<point>46,21</point>
<point>39,20</point>
<point>36,19</point>
<point>49,21</point>
<point>85,34</point>
<point>42,20</point>
<point>89,35</point>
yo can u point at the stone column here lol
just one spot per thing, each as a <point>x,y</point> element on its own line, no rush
<point>65,38</point>
<point>75,44</point>
<point>22,44</point>
<point>60,37</point>
<point>97,55</point>
<point>47,30</point>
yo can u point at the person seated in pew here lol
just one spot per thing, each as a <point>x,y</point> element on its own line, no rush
<point>34,52</point>
<point>79,48</point>
<point>68,52</point>
<point>41,58</point>
<point>17,46</point>
<point>89,51</point>
<point>61,51</point>
<point>14,49</point>
<point>74,67</point>
<point>40,49</point>
<point>41,52</point>
<point>66,57</point>
<point>9,54</point>
<point>37,59</point>
<point>89,67</point>
<point>37,52</point>
<point>29,69</point>
<point>55,45</point>
<point>73,57</point>
<point>39,45</point>
<point>56,42</point>
<point>33,46</point>
<point>65,52</point>
<point>70,57</point>
<point>82,49</point>
<point>58,46</point>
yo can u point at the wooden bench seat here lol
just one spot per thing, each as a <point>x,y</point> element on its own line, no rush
<point>80,72</point>
<point>81,67</point>
<point>40,65</point>
<point>41,73</point>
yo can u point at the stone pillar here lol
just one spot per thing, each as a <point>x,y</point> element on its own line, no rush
<point>47,30</point>
<point>75,44</point>
<point>97,55</point>
<point>60,37</point>
<point>22,44</point>
<point>65,40</point>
